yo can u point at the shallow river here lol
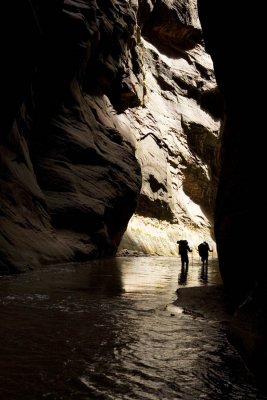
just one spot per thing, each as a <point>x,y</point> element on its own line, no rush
<point>108,330</point>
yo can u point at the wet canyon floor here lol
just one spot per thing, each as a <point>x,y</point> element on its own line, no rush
<point>123,328</point>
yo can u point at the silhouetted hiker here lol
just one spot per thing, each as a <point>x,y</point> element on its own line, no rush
<point>183,251</point>
<point>203,251</point>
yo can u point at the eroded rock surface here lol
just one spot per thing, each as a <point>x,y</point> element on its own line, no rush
<point>107,108</point>
<point>177,128</point>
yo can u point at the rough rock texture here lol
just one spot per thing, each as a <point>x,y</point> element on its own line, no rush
<point>238,213</point>
<point>177,128</point>
<point>69,178</point>
<point>98,97</point>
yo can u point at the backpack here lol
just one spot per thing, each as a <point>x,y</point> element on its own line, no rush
<point>200,248</point>
<point>203,249</point>
<point>182,246</point>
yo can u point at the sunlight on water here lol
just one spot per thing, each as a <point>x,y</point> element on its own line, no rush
<point>109,330</point>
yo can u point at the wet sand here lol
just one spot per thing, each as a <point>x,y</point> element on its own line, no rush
<point>206,301</point>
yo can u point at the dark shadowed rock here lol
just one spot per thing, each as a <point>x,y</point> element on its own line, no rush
<point>107,112</point>
<point>69,182</point>
<point>238,203</point>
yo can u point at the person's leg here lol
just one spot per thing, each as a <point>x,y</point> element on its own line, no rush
<point>186,261</point>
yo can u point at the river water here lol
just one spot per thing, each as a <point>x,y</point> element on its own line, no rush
<point>109,330</point>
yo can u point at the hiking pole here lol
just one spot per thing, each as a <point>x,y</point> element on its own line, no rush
<point>198,254</point>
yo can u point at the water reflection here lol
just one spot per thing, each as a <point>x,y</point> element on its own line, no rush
<point>182,278</point>
<point>203,276</point>
<point>108,330</point>
<point>197,275</point>
<point>104,278</point>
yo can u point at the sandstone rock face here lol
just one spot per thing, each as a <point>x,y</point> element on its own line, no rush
<point>69,177</point>
<point>108,109</point>
<point>177,127</point>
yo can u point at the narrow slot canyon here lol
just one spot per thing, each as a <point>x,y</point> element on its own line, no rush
<point>126,128</point>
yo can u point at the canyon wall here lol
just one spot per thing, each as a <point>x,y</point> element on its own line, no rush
<point>239,205</point>
<point>109,110</point>
<point>177,128</point>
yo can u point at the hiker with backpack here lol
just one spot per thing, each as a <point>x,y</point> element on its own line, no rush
<point>203,251</point>
<point>183,251</point>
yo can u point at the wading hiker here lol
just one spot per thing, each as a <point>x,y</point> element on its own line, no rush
<point>203,251</point>
<point>183,251</point>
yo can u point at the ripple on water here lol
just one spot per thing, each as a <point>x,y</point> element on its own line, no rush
<point>80,332</point>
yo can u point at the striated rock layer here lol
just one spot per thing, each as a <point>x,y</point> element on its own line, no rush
<point>69,177</point>
<point>177,127</point>
<point>108,109</point>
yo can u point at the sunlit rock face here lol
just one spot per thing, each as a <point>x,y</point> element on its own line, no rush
<point>177,127</point>
<point>107,108</point>
<point>239,204</point>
